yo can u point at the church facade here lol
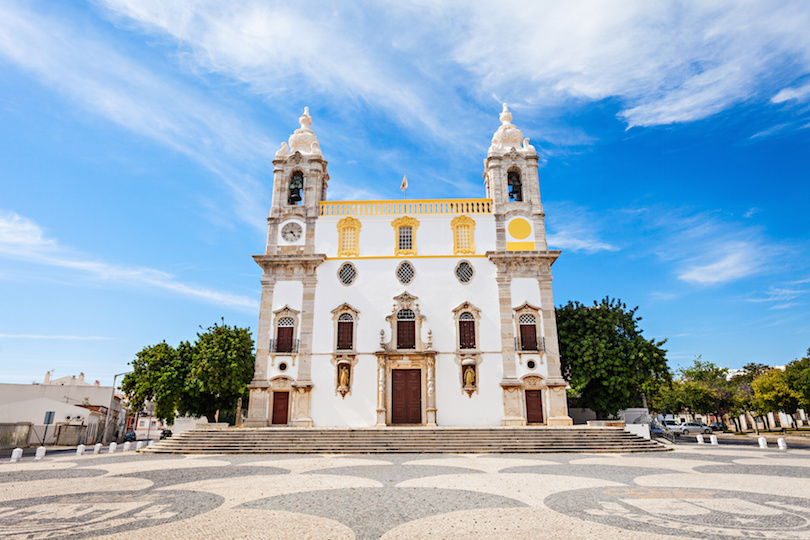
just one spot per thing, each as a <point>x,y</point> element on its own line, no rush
<point>407,312</point>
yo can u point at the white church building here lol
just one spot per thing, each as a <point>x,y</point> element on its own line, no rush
<point>407,312</point>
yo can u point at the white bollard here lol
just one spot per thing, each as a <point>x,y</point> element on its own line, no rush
<point>127,446</point>
<point>763,443</point>
<point>40,453</point>
<point>782,444</point>
<point>138,445</point>
<point>97,448</point>
<point>150,443</point>
<point>700,439</point>
<point>113,446</point>
<point>713,439</point>
<point>80,450</point>
<point>16,454</point>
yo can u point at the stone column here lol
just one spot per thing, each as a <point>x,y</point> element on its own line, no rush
<point>303,385</point>
<point>258,409</point>
<point>557,399</point>
<point>512,408</point>
<point>381,391</point>
<point>431,391</point>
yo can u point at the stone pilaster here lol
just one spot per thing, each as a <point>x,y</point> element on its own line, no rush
<point>431,392</point>
<point>258,412</point>
<point>381,410</point>
<point>557,399</point>
<point>302,400</point>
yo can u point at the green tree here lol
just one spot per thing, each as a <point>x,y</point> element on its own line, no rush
<point>797,376</point>
<point>772,393</point>
<point>194,378</point>
<point>744,393</point>
<point>708,390</point>
<point>158,375</point>
<point>607,361</point>
<point>221,367</point>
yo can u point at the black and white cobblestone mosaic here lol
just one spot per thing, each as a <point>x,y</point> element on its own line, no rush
<point>693,492</point>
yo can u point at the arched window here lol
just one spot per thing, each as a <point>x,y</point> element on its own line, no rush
<point>296,185</point>
<point>466,330</point>
<point>528,332</point>
<point>285,334</point>
<point>345,330</point>
<point>406,329</point>
<point>515,187</point>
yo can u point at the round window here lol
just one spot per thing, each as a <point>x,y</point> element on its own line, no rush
<point>405,273</point>
<point>464,272</point>
<point>282,366</point>
<point>531,364</point>
<point>347,273</point>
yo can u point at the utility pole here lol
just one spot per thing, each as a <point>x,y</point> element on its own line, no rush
<point>106,439</point>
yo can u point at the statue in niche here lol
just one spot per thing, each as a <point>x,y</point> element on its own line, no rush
<point>343,379</point>
<point>469,378</point>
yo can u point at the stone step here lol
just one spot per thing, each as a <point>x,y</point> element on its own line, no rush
<point>404,440</point>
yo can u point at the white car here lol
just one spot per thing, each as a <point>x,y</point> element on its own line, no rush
<point>692,428</point>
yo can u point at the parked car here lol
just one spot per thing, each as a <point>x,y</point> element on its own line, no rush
<point>691,428</point>
<point>130,436</point>
<point>165,434</point>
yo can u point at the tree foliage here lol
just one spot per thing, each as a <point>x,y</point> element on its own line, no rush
<point>606,360</point>
<point>194,378</point>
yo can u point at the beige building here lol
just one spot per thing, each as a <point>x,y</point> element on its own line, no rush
<point>407,312</point>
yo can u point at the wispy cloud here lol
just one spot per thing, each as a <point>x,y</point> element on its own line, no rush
<point>86,67</point>
<point>40,336</point>
<point>576,228</point>
<point>750,212</point>
<point>23,239</point>
<point>798,93</point>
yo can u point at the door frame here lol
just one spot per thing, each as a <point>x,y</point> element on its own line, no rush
<point>535,382</point>
<point>424,361</point>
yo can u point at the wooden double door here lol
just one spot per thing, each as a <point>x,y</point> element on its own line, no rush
<point>406,396</point>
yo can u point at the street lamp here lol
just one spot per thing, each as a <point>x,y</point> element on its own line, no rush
<point>112,399</point>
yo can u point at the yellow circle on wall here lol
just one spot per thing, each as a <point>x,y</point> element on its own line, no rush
<point>519,228</point>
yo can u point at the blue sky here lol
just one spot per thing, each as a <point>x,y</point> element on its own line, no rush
<point>136,140</point>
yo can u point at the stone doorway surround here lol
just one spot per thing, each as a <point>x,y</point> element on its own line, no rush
<point>425,361</point>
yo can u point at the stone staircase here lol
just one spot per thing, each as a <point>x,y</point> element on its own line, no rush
<point>403,440</point>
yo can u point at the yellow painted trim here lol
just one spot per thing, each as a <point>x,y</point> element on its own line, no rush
<point>405,206</point>
<point>456,224</point>
<point>519,228</point>
<point>342,226</point>
<point>520,246</point>
<point>410,257</point>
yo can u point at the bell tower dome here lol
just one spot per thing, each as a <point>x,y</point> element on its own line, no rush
<point>513,184</point>
<point>300,179</point>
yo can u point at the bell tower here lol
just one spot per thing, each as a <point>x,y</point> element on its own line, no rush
<point>289,262</point>
<point>300,178</point>
<point>522,257</point>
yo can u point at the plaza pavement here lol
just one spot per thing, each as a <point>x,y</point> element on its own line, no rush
<point>704,491</point>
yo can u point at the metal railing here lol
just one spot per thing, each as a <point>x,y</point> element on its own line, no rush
<point>541,345</point>
<point>293,349</point>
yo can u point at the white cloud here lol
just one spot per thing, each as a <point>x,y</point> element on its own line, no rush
<point>40,336</point>
<point>733,260</point>
<point>799,93</point>
<point>23,239</point>
<point>751,211</point>
<point>89,70</point>
<point>575,228</point>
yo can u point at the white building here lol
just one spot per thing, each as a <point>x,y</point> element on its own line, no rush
<point>407,312</point>
<point>78,407</point>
